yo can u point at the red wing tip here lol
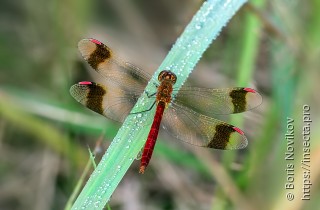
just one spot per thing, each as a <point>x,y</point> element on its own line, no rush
<point>85,83</point>
<point>96,41</point>
<point>250,90</point>
<point>238,130</point>
<point>142,169</point>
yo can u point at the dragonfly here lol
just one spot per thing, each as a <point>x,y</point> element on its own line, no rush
<point>189,116</point>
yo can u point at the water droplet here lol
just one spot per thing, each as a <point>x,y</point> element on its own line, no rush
<point>96,204</point>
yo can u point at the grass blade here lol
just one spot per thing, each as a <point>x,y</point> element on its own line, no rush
<point>204,27</point>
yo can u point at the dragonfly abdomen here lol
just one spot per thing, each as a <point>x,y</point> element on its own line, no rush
<point>152,137</point>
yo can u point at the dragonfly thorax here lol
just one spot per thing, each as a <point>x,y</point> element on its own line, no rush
<point>164,91</point>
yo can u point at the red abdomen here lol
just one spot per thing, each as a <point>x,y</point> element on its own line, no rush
<point>152,137</point>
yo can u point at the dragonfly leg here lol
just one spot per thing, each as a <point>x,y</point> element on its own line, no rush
<point>145,110</point>
<point>149,96</point>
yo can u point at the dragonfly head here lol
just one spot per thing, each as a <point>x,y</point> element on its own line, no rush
<point>167,75</point>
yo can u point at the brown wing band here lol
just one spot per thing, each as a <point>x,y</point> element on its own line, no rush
<point>95,98</point>
<point>239,100</point>
<point>98,56</point>
<point>221,136</point>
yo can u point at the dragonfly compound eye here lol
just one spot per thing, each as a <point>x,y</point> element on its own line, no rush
<point>162,75</point>
<point>173,78</point>
<point>167,75</point>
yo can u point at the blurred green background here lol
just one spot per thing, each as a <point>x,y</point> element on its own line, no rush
<point>273,46</point>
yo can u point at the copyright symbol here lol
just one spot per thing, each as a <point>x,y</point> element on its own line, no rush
<point>290,196</point>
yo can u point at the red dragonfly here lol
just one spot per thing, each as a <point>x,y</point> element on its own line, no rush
<point>189,117</point>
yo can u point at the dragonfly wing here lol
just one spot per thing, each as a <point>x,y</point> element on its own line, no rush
<point>113,103</point>
<point>211,102</point>
<point>102,59</point>
<point>124,82</point>
<point>200,130</point>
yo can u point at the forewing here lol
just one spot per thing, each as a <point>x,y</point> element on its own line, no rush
<point>113,103</point>
<point>200,130</point>
<point>117,72</point>
<point>124,82</point>
<point>211,102</point>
